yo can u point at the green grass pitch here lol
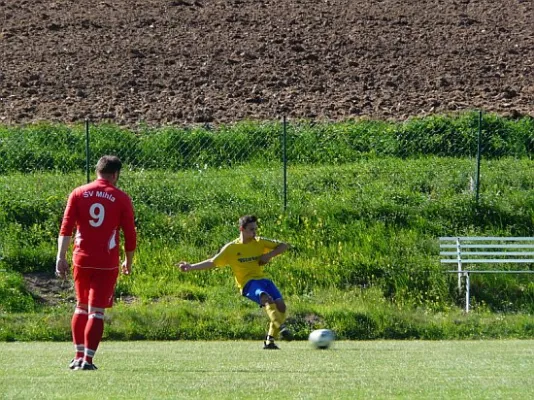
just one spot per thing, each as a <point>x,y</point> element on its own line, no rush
<point>493,369</point>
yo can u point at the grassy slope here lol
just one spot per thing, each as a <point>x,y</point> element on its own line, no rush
<point>371,224</point>
<point>366,202</point>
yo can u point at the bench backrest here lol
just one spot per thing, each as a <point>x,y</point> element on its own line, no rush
<point>462,250</point>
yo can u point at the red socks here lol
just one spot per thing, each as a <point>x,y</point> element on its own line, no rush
<point>78,322</point>
<point>87,330</point>
<point>94,330</point>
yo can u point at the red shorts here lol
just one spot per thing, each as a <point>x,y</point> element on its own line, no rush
<point>95,287</point>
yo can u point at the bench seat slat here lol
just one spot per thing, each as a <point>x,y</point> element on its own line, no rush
<point>489,253</point>
<point>487,246</point>
<point>489,261</point>
<point>487,239</point>
<point>490,272</point>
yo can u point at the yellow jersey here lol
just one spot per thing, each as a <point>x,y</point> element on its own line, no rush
<point>244,258</point>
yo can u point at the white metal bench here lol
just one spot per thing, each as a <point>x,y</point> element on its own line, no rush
<point>462,250</point>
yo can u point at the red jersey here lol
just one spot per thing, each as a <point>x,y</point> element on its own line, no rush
<point>98,210</point>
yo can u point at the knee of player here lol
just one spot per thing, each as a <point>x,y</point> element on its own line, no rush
<point>281,306</point>
<point>81,309</point>
<point>266,299</point>
<point>97,312</point>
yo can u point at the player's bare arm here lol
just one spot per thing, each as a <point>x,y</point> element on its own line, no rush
<point>62,265</point>
<point>127,264</point>
<point>265,258</point>
<point>185,266</point>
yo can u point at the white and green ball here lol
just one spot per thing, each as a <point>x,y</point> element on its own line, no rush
<point>321,338</point>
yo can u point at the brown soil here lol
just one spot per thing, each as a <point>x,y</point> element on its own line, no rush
<point>175,62</point>
<point>49,290</point>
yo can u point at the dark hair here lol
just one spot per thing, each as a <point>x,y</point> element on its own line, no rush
<point>108,165</point>
<point>247,219</point>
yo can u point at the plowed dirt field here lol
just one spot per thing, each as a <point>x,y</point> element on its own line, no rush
<point>220,61</point>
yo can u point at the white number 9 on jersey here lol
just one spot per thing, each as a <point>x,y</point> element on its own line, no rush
<point>97,213</point>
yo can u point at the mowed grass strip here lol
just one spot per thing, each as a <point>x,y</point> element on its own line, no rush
<point>242,370</point>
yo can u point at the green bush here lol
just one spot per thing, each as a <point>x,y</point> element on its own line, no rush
<point>14,298</point>
<point>46,146</point>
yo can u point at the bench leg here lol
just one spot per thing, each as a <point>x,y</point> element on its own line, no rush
<point>467,287</point>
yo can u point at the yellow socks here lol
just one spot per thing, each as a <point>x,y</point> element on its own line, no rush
<point>277,318</point>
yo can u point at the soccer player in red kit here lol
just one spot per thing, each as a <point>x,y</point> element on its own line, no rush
<point>98,211</point>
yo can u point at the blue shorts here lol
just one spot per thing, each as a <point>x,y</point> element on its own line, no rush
<point>255,287</point>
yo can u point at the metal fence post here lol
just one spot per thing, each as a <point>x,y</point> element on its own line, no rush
<point>87,150</point>
<point>479,155</point>
<point>284,160</point>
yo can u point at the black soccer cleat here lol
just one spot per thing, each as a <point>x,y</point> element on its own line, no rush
<point>285,333</point>
<point>76,363</point>
<point>270,346</point>
<point>86,367</point>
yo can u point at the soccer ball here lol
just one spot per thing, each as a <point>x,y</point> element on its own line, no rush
<point>321,338</point>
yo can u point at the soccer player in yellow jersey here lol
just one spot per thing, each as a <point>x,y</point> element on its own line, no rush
<point>247,255</point>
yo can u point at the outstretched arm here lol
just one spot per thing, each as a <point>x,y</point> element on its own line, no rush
<point>212,262</point>
<point>185,266</point>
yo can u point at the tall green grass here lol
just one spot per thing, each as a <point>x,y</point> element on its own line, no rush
<point>46,146</point>
<point>367,224</point>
